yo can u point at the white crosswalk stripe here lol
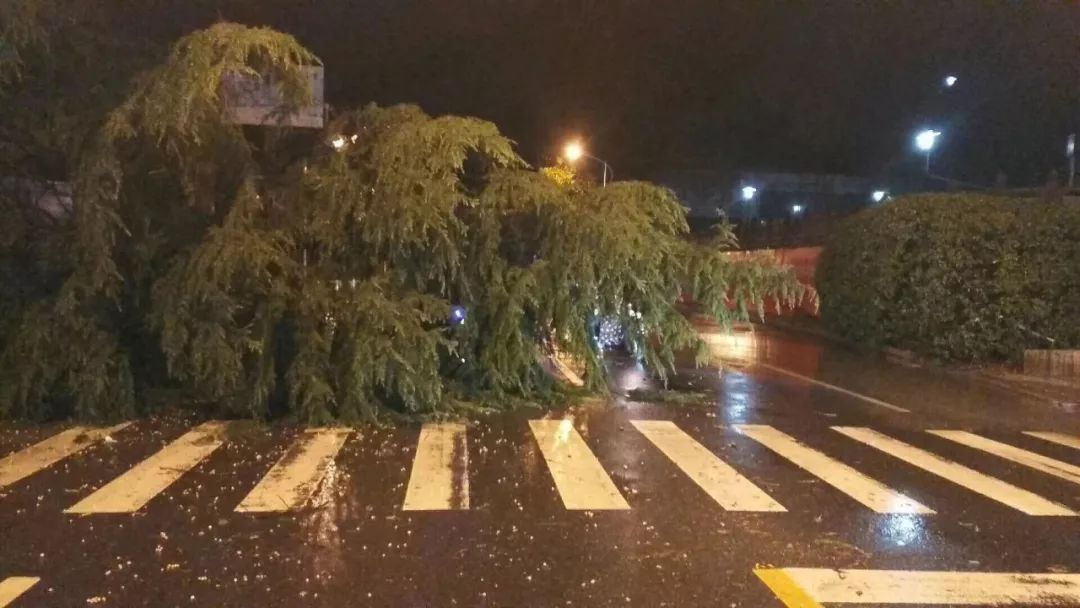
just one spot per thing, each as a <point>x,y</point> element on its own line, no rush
<point>582,482</point>
<point>12,587</point>
<point>993,488</point>
<point>1050,466</point>
<point>720,481</point>
<point>293,480</point>
<point>440,472</point>
<point>1059,438</point>
<point>870,492</point>
<point>132,490</point>
<point>24,463</point>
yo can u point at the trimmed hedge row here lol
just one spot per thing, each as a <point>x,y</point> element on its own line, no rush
<point>965,277</point>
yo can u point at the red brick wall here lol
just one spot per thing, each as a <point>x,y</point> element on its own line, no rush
<point>804,261</point>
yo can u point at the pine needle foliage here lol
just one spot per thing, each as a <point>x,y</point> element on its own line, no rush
<point>146,188</point>
<point>322,288</point>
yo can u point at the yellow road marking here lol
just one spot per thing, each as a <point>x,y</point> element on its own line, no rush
<point>720,481</point>
<point>1059,438</point>
<point>48,452</point>
<point>785,589</point>
<point>833,586</point>
<point>434,484</point>
<point>132,490</point>
<point>582,482</point>
<point>295,477</point>
<point>868,491</point>
<point>11,588</point>
<point>990,487</point>
<point>1057,468</point>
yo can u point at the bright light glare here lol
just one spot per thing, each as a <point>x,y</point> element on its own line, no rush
<point>926,139</point>
<point>573,151</point>
<point>339,142</point>
<point>748,192</point>
<point>796,209</point>
<point>950,80</point>
<point>878,196</point>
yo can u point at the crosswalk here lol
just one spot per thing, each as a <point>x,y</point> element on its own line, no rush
<point>438,478</point>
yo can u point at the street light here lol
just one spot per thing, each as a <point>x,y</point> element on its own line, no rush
<point>950,80</point>
<point>925,141</point>
<point>748,193</point>
<point>574,151</point>
<point>878,195</point>
<point>797,209</point>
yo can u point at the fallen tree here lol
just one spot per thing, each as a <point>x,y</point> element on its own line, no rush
<point>394,263</point>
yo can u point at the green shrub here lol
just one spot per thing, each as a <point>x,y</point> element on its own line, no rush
<point>967,277</point>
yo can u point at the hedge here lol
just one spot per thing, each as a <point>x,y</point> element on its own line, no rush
<point>962,277</point>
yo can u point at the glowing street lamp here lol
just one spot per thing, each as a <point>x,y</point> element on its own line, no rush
<point>574,151</point>
<point>878,195</point>
<point>748,193</point>
<point>797,209</point>
<point>950,80</point>
<point>925,141</point>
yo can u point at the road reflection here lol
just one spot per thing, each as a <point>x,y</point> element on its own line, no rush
<point>903,530</point>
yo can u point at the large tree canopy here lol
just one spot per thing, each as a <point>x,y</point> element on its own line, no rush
<point>264,270</point>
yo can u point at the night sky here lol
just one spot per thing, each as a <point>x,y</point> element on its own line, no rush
<point>817,86</point>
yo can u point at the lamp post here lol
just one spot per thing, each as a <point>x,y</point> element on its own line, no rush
<point>925,141</point>
<point>574,151</point>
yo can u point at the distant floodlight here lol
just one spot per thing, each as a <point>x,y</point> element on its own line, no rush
<point>878,195</point>
<point>748,192</point>
<point>339,142</point>
<point>796,209</point>
<point>926,139</point>
<point>950,80</point>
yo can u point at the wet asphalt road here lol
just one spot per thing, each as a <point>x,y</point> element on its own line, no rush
<point>517,544</point>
